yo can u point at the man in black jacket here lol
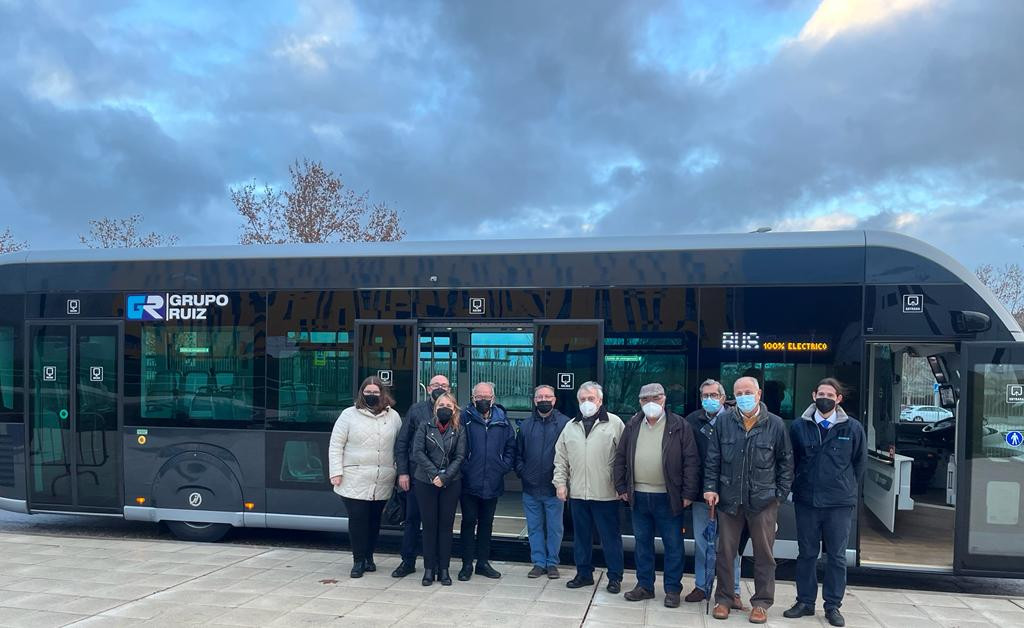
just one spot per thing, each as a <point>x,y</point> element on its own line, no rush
<point>420,413</point>
<point>830,455</point>
<point>656,472</point>
<point>535,466</point>
<point>703,421</point>
<point>747,474</point>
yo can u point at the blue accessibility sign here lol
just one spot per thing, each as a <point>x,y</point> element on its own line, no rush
<point>1014,439</point>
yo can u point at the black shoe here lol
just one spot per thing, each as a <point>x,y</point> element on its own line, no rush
<point>798,610</point>
<point>444,578</point>
<point>639,593</point>
<point>614,586</point>
<point>428,577</point>
<point>404,569</point>
<point>537,572</point>
<point>358,567</point>
<point>834,617</point>
<point>466,572</point>
<point>370,565</point>
<point>579,582</point>
<point>485,569</point>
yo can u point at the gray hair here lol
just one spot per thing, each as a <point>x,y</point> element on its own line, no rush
<point>489,385</point>
<point>549,387</point>
<point>594,386</point>
<point>757,385</point>
<point>711,382</point>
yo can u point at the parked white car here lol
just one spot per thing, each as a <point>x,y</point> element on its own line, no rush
<point>924,414</point>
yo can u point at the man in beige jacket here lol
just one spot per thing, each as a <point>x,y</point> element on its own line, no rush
<point>584,454</point>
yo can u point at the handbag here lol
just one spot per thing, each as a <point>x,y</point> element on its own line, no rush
<point>394,510</point>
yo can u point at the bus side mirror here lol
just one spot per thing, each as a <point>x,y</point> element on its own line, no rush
<point>968,322</point>
<point>947,396</point>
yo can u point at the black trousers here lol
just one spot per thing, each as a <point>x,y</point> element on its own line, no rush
<point>363,525</point>
<point>477,524</point>
<point>437,511</point>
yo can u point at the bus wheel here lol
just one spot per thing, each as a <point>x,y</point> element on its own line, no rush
<point>198,532</point>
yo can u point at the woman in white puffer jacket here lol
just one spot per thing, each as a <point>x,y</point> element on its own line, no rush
<point>362,466</point>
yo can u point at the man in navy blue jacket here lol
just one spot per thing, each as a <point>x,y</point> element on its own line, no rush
<point>535,466</point>
<point>829,456</point>
<point>490,454</point>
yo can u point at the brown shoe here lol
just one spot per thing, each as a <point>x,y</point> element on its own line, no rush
<point>671,599</point>
<point>638,593</point>
<point>758,615</point>
<point>721,611</point>
<point>697,595</point>
<point>737,604</point>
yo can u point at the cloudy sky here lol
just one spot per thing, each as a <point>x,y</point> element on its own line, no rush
<point>522,119</point>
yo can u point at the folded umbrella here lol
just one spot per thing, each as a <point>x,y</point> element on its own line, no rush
<point>711,536</point>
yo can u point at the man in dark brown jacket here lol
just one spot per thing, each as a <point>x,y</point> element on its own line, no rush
<point>657,473</point>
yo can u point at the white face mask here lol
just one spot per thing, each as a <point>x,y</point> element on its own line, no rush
<point>588,409</point>
<point>652,410</point>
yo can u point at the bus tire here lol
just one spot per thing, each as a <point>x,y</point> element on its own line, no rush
<point>198,532</point>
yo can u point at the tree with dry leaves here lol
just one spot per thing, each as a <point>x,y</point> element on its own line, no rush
<point>317,208</point>
<point>123,233</point>
<point>1007,283</point>
<point>8,244</point>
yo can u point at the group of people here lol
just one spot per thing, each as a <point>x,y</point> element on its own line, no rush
<point>734,462</point>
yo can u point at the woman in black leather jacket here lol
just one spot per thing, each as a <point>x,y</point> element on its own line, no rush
<point>439,448</point>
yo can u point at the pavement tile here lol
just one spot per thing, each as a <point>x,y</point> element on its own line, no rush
<point>885,610</point>
<point>1004,618</point>
<point>246,617</point>
<point>127,591</point>
<point>50,619</point>
<point>141,609</point>
<point>559,609</point>
<point>672,617</point>
<point>933,599</point>
<point>907,622</point>
<point>14,616</point>
<point>959,623</point>
<point>102,621</point>
<point>291,620</point>
<point>326,606</point>
<point>272,602</point>
<point>187,615</point>
<point>990,604</point>
<point>873,596</point>
<point>633,615</point>
<point>503,605</point>
<point>342,592</point>
<point>90,605</point>
<point>376,610</point>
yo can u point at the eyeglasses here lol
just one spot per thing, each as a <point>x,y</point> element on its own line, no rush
<point>710,396</point>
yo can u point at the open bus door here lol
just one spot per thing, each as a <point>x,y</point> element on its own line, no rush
<point>990,464</point>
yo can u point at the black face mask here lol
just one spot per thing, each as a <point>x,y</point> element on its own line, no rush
<point>444,415</point>
<point>372,401</point>
<point>482,405</point>
<point>436,393</point>
<point>544,407</point>
<point>824,404</point>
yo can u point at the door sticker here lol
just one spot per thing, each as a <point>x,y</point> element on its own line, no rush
<point>49,373</point>
<point>1015,393</point>
<point>566,381</point>
<point>385,377</point>
<point>477,306</point>
<point>913,304</point>
<point>95,373</point>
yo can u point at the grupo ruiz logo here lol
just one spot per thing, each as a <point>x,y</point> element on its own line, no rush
<point>172,307</point>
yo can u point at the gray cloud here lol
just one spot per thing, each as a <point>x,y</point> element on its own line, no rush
<point>496,118</point>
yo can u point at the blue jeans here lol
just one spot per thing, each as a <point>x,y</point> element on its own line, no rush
<point>588,515</point>
<point>652,511</point>
<point>544,523</point>
<point>814,526</point>
<point>701,512</point>
<point>411,534</point>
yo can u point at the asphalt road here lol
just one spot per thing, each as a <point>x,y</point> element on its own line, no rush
<point>111,527</point>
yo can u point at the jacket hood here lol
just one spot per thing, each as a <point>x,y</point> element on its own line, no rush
<point>602,415</point>
<point>497,415</point>
<point>370,413</point>
<point>841,415</point>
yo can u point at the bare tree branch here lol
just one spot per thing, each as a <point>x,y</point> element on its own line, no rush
<point>1007,283</point>
<point>113,233</point>
<point>317,208</point>
<point>8,244</point>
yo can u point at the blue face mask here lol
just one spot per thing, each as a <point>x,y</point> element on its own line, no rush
<point>711,406</point>
<point>746,403</point>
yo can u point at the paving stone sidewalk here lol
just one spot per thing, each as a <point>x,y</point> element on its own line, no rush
<point>72,581</point>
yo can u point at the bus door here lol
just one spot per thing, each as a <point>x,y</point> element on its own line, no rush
<point>388,349</point>
<point>74,388</point>
<point>990,483</point>
<point>569,352</point>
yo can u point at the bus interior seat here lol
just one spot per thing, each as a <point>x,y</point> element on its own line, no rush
<point>300,462</point>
